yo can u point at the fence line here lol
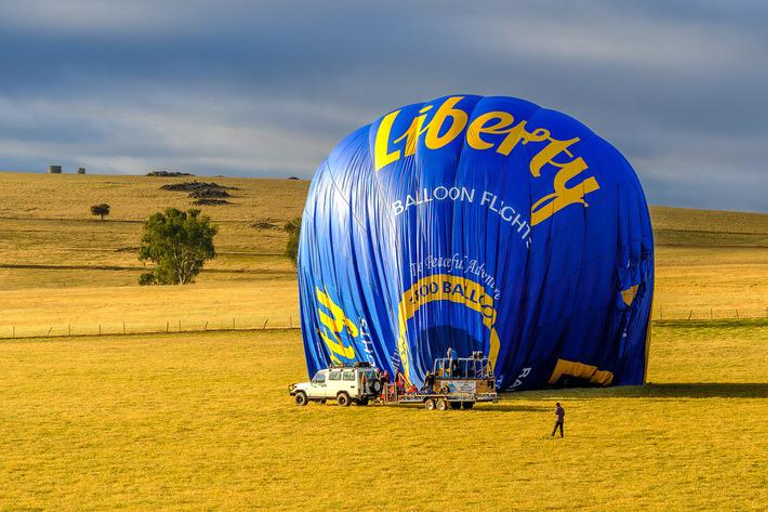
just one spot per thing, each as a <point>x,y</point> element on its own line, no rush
<point>115,328</point>
<point>119,328</point>
<point>708,313</point>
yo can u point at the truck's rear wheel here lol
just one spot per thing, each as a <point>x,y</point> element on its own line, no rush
<point>429,404</point>
<point>343,399</point>
<point>467,405</point>
<point>455,405</point>
<point>442,404</point>
<point>301,398</point>
<point>362,401</point>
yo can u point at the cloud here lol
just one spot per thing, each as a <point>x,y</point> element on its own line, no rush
<point>269,87</point>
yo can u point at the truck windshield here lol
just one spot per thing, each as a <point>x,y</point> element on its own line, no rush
<point>319,378</point>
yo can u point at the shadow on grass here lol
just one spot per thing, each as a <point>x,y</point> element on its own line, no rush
<point>505,406</point>
<point>662,390</point>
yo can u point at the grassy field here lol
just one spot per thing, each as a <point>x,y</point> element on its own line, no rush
<point>63,270</point>
<point>203,422</point>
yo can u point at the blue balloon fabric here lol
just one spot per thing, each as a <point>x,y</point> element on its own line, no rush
<point>481,224</point>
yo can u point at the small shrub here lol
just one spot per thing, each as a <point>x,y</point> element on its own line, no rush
<point>293,228</point>
<point>147,279</point>
<point>102,210</point>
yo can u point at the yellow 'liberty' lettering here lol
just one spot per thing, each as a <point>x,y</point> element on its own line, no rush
<point>504,124</point>
<point>414,131</point>
<point>382,157</point>
<point>459,118</point>
<point>453,121</point>
<point>482,124</point>
<point>433,140</point>
<point>563,195</point>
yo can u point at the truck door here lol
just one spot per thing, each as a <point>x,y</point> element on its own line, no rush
<point>353,387</point>
<point>334,383</point>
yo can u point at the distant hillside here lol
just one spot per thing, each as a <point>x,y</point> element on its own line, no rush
<point>133,198</point>
<point>689,227</point>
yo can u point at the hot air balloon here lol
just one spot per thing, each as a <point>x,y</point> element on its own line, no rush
<point>480,224</point>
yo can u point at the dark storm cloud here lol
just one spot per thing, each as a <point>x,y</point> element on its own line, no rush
<point>267,88</point>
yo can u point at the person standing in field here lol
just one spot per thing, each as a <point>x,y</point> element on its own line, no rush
<point>559,419</point>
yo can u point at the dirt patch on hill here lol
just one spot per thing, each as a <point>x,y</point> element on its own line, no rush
<point>267,223</point>
<point>209,193</point>
<point>195,186</point>
<point>210,202</point>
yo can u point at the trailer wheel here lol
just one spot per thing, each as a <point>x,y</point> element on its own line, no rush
<point>300,398</point>
<point>467,405</point>
<point>343,399</point>
<point>455,405</point>
<point>442,404</point>
<point>429,404</point>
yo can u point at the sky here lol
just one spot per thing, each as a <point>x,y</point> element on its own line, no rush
<point>267,88</point>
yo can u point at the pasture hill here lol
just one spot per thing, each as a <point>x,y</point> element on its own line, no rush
<point>63,270</point>
<point>199,418</point>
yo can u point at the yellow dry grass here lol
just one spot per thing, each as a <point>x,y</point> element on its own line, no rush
<point>63,269</point>
<point>204,422</point>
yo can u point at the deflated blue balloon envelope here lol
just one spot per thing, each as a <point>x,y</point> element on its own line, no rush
<point>482,224</point>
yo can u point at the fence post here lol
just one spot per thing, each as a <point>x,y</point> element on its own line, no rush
<point>167,326</point>
<point>206,326</point>
<point>179,325</point>
<point>711,314</point>
<point>690,315</point>
<point>265,324</point>
<point>99,329</point>
<point>69,330</point>
<point>123,327</point>
<point>290,321</point>
<point>233,324</point>
<point>14,332</point>
<point>737,314</point>
<point>661,313</point>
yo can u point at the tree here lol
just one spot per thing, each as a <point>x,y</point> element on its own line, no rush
<point>101,210</point>
<point>178,243</point>
<point>293,228</point>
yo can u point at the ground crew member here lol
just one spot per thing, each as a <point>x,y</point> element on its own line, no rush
<point>429,383</point>
<point>559,419</point>
<point>453,364</point>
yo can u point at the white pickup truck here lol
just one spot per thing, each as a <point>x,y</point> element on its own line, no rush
<point>345,384</point>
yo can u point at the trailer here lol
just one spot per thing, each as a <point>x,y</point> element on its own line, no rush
<point>455,383</point>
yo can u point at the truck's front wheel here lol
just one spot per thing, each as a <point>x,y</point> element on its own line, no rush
<point>343,399</point>
<point>301,398</point>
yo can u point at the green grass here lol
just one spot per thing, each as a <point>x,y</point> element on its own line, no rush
<point>204,422</point>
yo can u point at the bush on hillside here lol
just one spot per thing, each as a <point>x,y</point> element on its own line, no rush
<point>178,243</point>
<point>293,228</point>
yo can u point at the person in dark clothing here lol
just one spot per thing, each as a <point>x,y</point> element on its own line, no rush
<point>559,419</point>
<point>429,383</point>
<point>453,364</point>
